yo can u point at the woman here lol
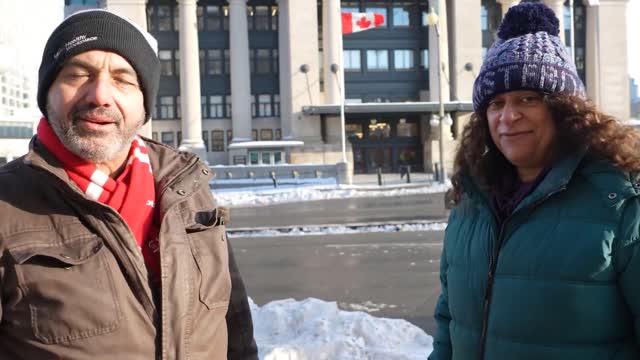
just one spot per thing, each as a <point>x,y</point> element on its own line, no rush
<point>541,255</point>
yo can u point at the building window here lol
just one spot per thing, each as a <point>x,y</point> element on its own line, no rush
<point>275,61</point>
<point>352,60</point>
<point>274,18</point>
<point>154,136</point>
<point>424,58</point>
<point>227,103</point>
<point>216,106</point>
<point>167,138</point>
<point>225,19</point>
<point>276,105</point>
<point>484,18</point>
<point>202,58</point>
<point>278,134</point>
<point>203,106</point>
<point>253,106</point>
<point>164,18</point>
<point>350,8</point>
<point>377,60</point>
<point>379,10</point>
<point>217,140</point>
<point>263,61</point>
<point>178,107</point>
<point>176,62</point>
<point>227,62</point>
<point>401,17</point>
<point>213,18</point>
<point>214,62</point>
<point>229,135</point>
<point>266,158</point>
<point>406,129</point>
<point>266,134</point>
<point>264,105</point>
<point>253,158</point>
<point>262,18</point>
<point>403,59</point>
<point>167,107</point>
<point>205,140</point>
<point>254,134</point>
<point>166,62</point>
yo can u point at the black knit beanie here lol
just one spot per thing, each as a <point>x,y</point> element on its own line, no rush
<point>98,29</point>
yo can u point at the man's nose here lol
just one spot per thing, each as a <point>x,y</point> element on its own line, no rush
<point>100,92</point>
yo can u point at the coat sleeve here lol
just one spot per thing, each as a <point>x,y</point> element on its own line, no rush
<point>442,341</point>
<point>627,261</point>
<point>242,345</point>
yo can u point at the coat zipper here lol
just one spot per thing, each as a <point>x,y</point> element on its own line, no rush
<point>493,264</point>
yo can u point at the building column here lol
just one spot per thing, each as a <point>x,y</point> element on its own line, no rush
<point>439,77</point>
<point>240,71</point>
<point>592,55</point>
<point>558,7</point>
<point>190,80</point>
<point>506,4</point>
<point>136,11</point>
<point>332,30</point>
<point>607,59</point>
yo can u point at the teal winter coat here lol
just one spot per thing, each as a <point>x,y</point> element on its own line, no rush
<point>565,282</point>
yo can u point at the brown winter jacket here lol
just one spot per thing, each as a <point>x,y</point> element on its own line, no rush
<point>73,284</point>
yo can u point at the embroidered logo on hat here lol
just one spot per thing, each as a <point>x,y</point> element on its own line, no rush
<point>73,43</point>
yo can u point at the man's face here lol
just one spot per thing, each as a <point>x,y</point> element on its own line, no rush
<point>95,106</point>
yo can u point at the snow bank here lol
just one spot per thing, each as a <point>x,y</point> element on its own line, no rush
<point>338,229</point>
<point>261,197</point>
<point>313,329</point>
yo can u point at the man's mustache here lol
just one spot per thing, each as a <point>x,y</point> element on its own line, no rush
<point>96,112</point>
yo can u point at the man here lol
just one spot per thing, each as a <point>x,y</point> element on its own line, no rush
<point>111,246</point>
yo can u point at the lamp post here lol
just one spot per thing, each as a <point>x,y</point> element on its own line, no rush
<point>432,20</point>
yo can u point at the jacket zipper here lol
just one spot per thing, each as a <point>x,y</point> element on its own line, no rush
<point>493,264</point>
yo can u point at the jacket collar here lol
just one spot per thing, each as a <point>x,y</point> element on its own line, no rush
<point>557,178</point>
<point>174,172</point>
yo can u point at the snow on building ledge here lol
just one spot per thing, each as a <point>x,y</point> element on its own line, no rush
<point>266,144</point>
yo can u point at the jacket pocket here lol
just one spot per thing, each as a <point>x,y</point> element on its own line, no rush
<point>69,289</point>
<point>208,242</point>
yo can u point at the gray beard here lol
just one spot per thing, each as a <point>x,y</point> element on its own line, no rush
<point>91,146</point>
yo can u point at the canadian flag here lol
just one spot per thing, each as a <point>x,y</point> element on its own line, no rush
<point>354,22</point>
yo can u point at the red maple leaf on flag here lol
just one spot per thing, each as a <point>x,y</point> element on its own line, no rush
<point>363,22</point>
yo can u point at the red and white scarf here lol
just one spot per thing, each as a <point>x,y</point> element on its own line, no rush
<point>132,194</point>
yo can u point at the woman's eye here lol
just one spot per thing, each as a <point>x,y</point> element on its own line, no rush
<point>529,99</point>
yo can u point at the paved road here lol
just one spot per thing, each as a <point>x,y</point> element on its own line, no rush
<point>395,272</point>
<point>341,211</point>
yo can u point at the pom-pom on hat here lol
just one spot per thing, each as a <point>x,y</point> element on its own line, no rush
<point>528,55</point>
<point>99,29</point>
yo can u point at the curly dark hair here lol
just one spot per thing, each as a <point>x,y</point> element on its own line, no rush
<point>579,123</point>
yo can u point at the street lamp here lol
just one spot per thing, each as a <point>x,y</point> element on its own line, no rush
<point>432,20</point>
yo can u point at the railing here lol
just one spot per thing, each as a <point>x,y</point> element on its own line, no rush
<point>239,176</point>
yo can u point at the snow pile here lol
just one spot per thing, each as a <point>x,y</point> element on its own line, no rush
<point>313,329</point>
<point>338,229</point>
<point>262,197</point>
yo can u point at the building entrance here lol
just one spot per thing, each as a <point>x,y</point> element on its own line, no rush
<point>384,142</point>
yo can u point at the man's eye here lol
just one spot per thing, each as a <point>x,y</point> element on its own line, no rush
<point>76,75</point>
<point>126,82</point>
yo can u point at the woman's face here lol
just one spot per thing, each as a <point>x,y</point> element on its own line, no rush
<point>523,129</point>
